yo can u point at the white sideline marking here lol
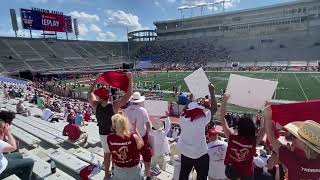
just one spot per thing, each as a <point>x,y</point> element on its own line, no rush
<point>301,87</point>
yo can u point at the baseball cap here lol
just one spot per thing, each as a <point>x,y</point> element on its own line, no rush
<point>212,132</point>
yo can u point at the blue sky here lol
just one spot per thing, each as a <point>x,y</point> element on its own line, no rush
<point>106,20</point>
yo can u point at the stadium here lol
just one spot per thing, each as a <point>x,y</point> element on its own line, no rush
<point>279,42</point>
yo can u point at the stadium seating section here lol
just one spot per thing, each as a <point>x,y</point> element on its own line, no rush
<point>283,49</point>
<point>266,50</point>
<point>19,54</point>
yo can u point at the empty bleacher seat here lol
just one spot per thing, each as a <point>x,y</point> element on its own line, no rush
<point>61,49</point>
<point>44,127</point>
<point>25,137</point>
<point>13,65</point>
<point>41,48</point>
<point>45,136</point>
<point>71,162</point>
<point>23,49</point>
<point>39,65</point>
<point>87,156</point>
<point>42,169</point>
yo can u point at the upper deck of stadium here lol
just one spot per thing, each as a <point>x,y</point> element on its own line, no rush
<point>297,15</point>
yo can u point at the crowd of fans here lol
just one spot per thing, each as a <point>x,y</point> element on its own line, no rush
<point>127,135</point>
<point>197,51</point>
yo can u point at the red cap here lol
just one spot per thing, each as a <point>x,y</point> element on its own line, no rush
<point>212,132</point>
<point>102,93</point>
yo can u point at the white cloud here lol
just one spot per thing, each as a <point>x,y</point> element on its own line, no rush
<point>83,30</point>
<point>83,16</point>
<point>94,28</point>
<point>39,1</point>
<point>122,19</point>
<point>106,36</point>
<point>156,3</point>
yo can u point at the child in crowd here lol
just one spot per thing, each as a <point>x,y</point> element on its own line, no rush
<point>159,143</point>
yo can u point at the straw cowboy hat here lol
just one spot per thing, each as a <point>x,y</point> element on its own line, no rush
<point>137,98</point>
<point>157,124</point>
<point>308,132</point>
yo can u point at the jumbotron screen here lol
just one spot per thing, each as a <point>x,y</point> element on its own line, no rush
<point>37,20</point>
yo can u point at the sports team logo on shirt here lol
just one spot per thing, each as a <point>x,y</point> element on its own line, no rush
<point>240,154</point>
<point>122,153</point>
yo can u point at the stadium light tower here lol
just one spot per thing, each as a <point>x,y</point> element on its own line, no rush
<point>215,3</point>
<point>181,10</point>
<point>202,5</point>
<point>192,7</point>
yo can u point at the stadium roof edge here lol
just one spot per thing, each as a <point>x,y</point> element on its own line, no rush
<point>238,11</point>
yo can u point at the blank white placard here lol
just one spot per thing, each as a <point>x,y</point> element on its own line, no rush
<point>156,108</point>
<point>250,92</point>
<point>197,83</point>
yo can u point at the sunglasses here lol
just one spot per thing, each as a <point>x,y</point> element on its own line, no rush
<point>289,137</point>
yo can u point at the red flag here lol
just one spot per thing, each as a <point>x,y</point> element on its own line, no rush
<point>301,111</point>
<point>116,79</point>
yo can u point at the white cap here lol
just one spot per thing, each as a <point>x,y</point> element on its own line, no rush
<point>258,162</point>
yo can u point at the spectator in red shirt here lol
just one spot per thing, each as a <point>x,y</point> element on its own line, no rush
<point>86,115</point>
<point>241,145</point>
<point>75,134</point>
<point>124,147</point>
<point>303,158</point>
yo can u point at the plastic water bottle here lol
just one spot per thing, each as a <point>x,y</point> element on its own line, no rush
<point>53,166</point>
<point>99,165</point>
<point>92,157</point>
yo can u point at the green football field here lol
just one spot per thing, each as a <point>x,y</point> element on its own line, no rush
<point>293,86</point>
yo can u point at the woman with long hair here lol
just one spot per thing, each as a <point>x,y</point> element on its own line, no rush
<point>124,147</point>
<point>241,145</point>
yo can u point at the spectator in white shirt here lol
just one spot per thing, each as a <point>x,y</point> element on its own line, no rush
<point>139,119</point>
<point>192,141</point>
<point>12,163</point>
<point>217,152</point>
<point>159,143</point>
<point>21,109</point>
<point>48,115</point>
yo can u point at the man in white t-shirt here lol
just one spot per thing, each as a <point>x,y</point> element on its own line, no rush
<point>12,163</point>
<point>192,142</point>
<point>139,120</point>
<point>47,114</point>
<point>217,152</point>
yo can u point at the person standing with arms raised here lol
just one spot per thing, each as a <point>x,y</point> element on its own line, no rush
<point>192,142</point>
<point>104,109</point>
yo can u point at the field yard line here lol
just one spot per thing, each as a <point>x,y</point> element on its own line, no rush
<point>300,86</point>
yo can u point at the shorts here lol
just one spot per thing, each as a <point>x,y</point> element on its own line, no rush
<point>104,144</point>
<point>134,173</point>
<point>146,150</point>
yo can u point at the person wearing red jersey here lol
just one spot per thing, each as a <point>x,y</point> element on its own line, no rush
<point>241,145</point>
<point>302,160</point>
<point>124,147</point>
